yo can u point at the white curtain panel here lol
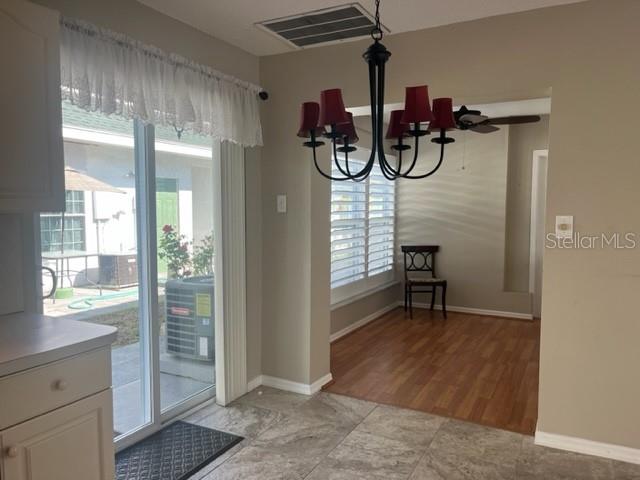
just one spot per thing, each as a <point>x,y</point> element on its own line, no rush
<point>111,73</point>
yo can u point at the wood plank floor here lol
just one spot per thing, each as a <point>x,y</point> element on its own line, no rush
<point>470,367</point>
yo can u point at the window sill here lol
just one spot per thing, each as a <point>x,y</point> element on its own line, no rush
<point>363,294</point>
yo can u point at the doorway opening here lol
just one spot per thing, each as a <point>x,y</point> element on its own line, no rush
<point>484,210</point>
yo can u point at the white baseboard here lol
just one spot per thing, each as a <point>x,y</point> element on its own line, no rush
<point>288,385</point>
<point>474,311</point>
<point>321,382</point>
<point>588,447</point>
<point>360,323</point>
<point>254,383</point>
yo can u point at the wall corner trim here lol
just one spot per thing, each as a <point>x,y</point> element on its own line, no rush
<point>588,447</point>
<point>288,385</point>
<point>254,383</point>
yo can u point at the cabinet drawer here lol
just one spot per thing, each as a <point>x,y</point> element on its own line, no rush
<point>36,391</point>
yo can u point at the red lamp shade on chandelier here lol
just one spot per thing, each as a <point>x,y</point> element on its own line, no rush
<point>397,128</point>
<point>416,105</point>
<point>347,130</point>
<point>443,114</point>
<point>309,114</point>
<point>332,111</point>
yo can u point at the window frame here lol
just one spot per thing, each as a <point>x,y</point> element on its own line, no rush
<point>72,200</point>
<point>368,283</point>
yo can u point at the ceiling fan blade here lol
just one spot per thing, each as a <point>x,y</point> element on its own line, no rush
<point>484,128</point>
<point>515,120</point>
<point>473,119</point>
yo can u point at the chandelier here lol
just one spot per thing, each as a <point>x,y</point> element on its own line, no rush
<point>329,119</point>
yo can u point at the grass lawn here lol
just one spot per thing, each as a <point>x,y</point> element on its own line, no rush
<point>126,321</point>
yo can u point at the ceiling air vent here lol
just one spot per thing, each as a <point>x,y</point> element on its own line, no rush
<point>321,27</point>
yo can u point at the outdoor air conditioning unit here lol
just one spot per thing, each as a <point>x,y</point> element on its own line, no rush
<point>118,270</point>
<point>190,306</point>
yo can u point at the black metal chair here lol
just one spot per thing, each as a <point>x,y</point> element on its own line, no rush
<point>420,275</point>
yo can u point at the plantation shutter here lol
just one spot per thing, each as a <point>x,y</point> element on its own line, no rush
<point>381,218</point>
<point>362,226</point>
<point>348,230</point>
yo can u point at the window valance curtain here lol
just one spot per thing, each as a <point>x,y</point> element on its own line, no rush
<point>111,73</point>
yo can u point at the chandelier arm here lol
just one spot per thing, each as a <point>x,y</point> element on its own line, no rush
<point>346,160</point>
<point>368,166</point>
<point>416,145</point>
<point>361,175</point>
<point>335,157</point>
<point>435,169</point>
<point>400,155</point>
<point>346,171</point>
<point>386,169</point>
<point>329,177</point>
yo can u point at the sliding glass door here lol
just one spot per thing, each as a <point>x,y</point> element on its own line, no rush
<point>134,249</point>
<point>184,226</point>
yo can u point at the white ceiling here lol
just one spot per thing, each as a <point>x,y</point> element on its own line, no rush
<point>233,20</point>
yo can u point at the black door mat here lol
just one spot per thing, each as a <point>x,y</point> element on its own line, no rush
<point>174,453</point>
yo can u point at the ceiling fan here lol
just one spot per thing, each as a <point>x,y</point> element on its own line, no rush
<point>476,122</point>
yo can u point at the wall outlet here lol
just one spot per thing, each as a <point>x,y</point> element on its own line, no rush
<point>564,226</point>
<point>281,204</point>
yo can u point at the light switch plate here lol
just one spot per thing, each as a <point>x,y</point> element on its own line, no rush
<point>281,204</point>
<point>564,226</point>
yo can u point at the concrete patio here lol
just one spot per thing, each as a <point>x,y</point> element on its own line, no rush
<point>180,378</point>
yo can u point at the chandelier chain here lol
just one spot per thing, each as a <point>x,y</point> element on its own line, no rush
<point>376,31</point>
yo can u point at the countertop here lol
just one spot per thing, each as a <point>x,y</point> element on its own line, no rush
<point>30,340</point>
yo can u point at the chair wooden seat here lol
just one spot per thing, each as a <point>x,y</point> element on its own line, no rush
<point>421,258</point>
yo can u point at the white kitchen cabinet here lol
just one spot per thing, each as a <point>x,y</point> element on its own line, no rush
<point>72,442</point>
<point>31,148</point>
<point>56,417</point>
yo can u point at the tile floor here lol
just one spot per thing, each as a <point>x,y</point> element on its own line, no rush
<point>333,437</point>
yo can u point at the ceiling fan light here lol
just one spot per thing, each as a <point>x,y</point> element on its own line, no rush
<point>348,130</point>
<point>309,113</point>
<point>397,128</point>
<point>443,114</point>
<point>417,107</point>
<point>332,111</point>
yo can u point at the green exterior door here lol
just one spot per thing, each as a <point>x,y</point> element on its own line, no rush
<point>167,212</point>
